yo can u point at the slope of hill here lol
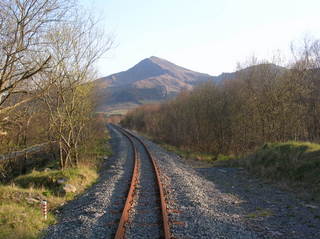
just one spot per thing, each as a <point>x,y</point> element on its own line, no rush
<point>152,79</point>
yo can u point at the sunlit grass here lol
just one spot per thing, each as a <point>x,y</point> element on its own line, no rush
<point>190,154</point>
<point>20,211</point>
<point>293,164</point>
<point>260,213</point>
<point>19,220</point>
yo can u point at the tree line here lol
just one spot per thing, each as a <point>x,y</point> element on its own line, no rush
<point>262,102</point>
<point>48,51</point>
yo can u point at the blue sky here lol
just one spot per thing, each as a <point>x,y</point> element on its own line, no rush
<point>208,36</point>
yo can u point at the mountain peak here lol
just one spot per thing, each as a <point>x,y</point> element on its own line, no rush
<point>151,79</point>
<point>154,60</point>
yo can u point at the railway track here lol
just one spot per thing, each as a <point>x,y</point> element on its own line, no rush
<point>145,213</point>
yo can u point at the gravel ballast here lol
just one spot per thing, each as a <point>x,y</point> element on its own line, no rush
<point>145,219</point>
<point>229,203</point>
<point>95,213</point>
<point>203,202</point>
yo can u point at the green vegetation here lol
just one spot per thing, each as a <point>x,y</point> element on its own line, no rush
<point>47,181</point>
<point>19,220</point>
<point>117,112</point>
<point>20,212</point>
<point>296,162</point>
<point>291,164</point>
<point>260,213</point>
<point>185,153</point>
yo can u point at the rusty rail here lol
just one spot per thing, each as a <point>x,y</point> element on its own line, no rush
<point>134,181</point>
<point>165,217</point>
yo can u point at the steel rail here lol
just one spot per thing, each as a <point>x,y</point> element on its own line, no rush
<point>134,181</point>
<point>165,217</point>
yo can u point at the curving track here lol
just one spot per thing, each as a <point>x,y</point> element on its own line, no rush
<point>145,211</point>
<point>202,202</point>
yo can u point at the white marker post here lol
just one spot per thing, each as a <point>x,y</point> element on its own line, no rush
<point>44,209</point>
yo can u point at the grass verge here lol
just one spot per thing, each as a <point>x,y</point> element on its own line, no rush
<point>20,212</point>
<point>189,154</point>
<point>293,165</point>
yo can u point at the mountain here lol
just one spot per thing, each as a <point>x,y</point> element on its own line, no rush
<point>152,79</point>
<point>155,79</point>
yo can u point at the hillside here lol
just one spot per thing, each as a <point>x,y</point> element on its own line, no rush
<point>152,79</point>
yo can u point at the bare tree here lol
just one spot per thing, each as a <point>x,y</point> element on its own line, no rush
<point>75,47</point>
<point>48,51</point>
<point>23,55</point>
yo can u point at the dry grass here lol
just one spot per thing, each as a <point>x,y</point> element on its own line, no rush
<point>189,154</point>
<point>292,165</point>
<point>260,213</point>
<point>20,212</point>
<point>21,221</point>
